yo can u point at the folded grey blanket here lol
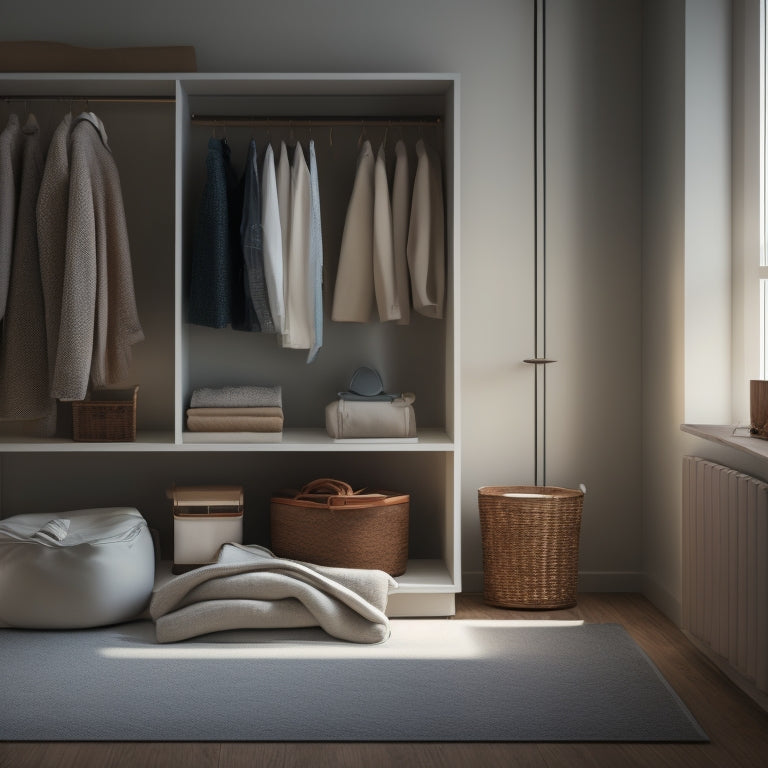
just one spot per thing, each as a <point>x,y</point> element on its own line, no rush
<point>249,588</point>
<point>237,397</point>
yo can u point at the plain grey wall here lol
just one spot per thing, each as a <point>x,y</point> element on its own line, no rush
<point>597,431</point>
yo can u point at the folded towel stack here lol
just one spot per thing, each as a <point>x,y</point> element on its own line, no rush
<point>236,409</point>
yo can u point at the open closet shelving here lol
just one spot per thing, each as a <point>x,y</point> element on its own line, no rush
<point>158,128</point>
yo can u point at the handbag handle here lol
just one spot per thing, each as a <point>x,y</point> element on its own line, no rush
<point>335,493</point>
<point>326,486</point>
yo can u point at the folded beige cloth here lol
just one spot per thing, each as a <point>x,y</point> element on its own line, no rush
<point>255,411</point>
<point>233,422</point>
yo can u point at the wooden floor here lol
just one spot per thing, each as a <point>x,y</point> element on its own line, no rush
<point>736,726</point>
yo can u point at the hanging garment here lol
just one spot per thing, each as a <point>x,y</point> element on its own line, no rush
<point>353,295</point>
<point>298,318</point>
<point>272,240</point>
<point>401,205</point>
<point>24,360</point>
<point>315,283</point>
<point>99,319</point>
<point>52,204</point>
<point>210,286</point>
<point>243,313</point>
<point>284,209</point>
<point>384,279</point>
<point>426,235</point>
<point>253,245</point>
<point>10,183</point>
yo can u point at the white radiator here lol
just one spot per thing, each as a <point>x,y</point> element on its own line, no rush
<point>725,570</point>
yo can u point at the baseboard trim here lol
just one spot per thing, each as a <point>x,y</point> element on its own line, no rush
<point>664,600</point>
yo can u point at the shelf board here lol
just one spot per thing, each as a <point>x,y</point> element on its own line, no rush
<point>425,576</point>
<point>291,440</point>
<point>145,441</point>
<point>316,440</point>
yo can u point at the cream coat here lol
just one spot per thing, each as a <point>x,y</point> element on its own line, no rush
<point>384,278</point>
<point>426,235</point>
<point>298,317</point>
<point>353,297</point>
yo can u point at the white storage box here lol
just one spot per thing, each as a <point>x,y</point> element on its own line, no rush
<point>204,518</point>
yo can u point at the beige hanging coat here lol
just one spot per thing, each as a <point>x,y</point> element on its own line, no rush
<point>384,279</point>
<point>353,296</point>
<point>426,235</point>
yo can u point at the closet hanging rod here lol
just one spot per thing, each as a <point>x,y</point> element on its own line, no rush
<point>315,122</point>
<point>132,99</point>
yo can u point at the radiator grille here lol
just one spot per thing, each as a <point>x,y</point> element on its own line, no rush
<point>725,565</point>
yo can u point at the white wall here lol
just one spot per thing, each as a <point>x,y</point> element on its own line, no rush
<point>594,414</point>
<point>686,265</point>
<point>663,294</point>
<point>595,428</point>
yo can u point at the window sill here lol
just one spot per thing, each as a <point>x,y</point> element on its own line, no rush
<point>730,436</point>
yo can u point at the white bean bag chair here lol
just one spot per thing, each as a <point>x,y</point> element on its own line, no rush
<point>84,568</point>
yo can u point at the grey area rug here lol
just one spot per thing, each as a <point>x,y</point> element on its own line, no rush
<point>433,680</point>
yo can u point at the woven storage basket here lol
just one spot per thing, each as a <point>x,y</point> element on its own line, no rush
<point>327,523</point>
<point>530,537</point>
<point>108,415</point>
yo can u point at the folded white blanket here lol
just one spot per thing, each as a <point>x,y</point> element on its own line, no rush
<point>249,588</point>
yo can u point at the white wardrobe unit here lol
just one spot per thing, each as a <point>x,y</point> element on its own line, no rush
<point>158,128</point>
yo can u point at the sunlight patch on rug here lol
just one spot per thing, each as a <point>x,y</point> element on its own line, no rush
<point>409,640</point>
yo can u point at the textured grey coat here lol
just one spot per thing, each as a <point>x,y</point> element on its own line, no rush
<point>52,203</point>
<point>23,354</point>
<point>10,180</point>
<point>99,319</point>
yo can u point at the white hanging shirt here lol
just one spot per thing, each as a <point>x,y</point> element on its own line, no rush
<point>272,240</point>
<point>315,271</point>
<point>284,206</point>
<point>298,333</point>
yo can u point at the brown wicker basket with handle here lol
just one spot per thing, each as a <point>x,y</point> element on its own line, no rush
<point>328,523</point>
<point>530,538</point>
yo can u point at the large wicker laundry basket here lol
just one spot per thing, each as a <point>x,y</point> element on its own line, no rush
<point>530,538</point>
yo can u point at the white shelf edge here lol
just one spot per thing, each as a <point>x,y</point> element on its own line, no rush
<point>318,440</point>
<point>430,440</point>
<point>425,576</point>
<point>723,434</point>
<point>430,576</point>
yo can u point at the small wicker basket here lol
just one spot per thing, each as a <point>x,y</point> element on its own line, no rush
<point>341,528</point>
<point>530,538</point>
<point>106,416</point>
